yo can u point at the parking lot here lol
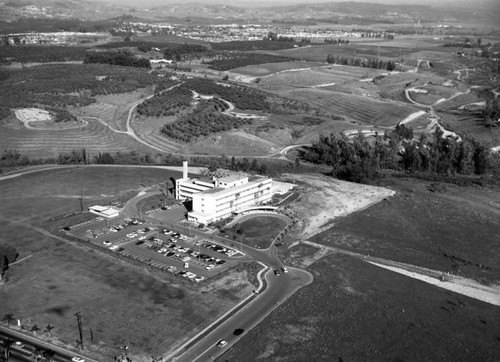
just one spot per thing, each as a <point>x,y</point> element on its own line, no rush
<point>184,254</point>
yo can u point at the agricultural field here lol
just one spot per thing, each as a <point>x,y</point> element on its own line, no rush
<point>148,129</point>
<point>47,143</point>
<point>431,94</point>
<point>236,142</point>
<point>112,108</point>
<point>360,109</point>
<point>134,306</point>
<point>271,68</point>
<point>318,53</point>
<point>323,76</point>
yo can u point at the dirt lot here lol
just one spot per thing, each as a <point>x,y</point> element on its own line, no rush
<point>325,198</point>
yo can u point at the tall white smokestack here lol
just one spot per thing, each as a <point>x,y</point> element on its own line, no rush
<point>184,170</point>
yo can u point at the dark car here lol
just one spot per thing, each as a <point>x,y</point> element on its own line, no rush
<point>238,331</point>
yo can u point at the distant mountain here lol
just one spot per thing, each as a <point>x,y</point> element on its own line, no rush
<point>58,9</point>
<point>346,12</point>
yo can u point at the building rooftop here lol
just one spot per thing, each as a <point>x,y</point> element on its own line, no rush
<point>232,178</point>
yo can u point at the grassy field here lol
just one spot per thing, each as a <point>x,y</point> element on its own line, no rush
<point>257,232</point>
<point>354,311</point>
<point>122,304</point>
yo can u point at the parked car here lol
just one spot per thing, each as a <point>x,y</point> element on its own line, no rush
<point>284,269</point>
<point>277,272</point>
<point>107,243</point>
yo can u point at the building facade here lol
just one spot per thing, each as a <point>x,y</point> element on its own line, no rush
<point>218,198</point>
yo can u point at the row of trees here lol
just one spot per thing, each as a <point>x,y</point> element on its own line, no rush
<point>358,160</point>
<point>167,103</point>
<point>362,62</point>
<point>336,41</point>
<point>122,58</point>
<point>202,124</point>
<point>242,97</point>
<point>179,53</point>
<point>237,60</point>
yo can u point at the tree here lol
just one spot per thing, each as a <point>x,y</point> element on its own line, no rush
<point>330,58</point>
<point>9,317</point>
<point>49,329</point>
<point>35,329</point>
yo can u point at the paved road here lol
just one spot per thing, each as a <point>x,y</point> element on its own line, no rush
<point>30,343</point>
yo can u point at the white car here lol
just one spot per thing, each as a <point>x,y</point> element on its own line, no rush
<point>222,343</point>
<point>77,359</point>
<point>199,279</point>
<point>107,243</point>
<point>210,267</point>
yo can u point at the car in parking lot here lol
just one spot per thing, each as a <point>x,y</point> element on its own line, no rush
<point>19,344</point>
<point>199,279</point>
<point>210,267</point>
<point>222,343</point>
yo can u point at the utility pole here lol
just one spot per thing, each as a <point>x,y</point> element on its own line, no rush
<point>81,200</point>
<point>79,323</point>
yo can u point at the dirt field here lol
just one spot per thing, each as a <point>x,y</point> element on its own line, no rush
<point>325,199</point>
<point>122,304</point>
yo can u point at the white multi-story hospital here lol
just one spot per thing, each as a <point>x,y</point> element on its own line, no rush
<point>216,198</point>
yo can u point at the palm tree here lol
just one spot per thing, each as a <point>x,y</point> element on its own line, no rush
<point>48,329</point>
<point>9,317</point>
<point>35,329</point>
